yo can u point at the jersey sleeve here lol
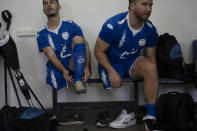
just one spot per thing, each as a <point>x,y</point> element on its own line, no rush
<point>106,33</point>
<point>42,41</point>
<point>76,30</point>
<point>153,37</point>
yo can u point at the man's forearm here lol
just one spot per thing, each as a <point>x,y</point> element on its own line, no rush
<point>103,60</point>
<point>57,64</point>
<point>53,59</point>
<point>88,57</point>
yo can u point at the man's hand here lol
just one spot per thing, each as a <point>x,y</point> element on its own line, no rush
<point>67,76</point>
<point>115,79</point>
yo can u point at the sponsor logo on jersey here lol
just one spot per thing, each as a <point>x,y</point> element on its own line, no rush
<point>126,54</point>
<point>110,26</point>
<point>65,35</point>
<point>142,42</point>
<point>122,21</point>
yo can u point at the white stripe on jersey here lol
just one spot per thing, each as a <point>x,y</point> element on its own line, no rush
<point>51,41</point>
<point>122,21</point>
<point>104,78</point>
<point>53,79</point>
<point>149,24</point>
<point>122,39</point>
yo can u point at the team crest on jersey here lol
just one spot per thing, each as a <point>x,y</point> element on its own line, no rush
<point>65,35</point>
<point>110,26</point>
<point>142,42</point>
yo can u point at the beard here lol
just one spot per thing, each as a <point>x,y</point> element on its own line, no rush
<point>140,17</point>
<point>53,14</point>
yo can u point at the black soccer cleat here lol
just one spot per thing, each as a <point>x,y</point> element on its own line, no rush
<point>150,123</point>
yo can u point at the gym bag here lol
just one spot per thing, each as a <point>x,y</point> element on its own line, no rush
<point>169,57</point>
<point>175,112</point>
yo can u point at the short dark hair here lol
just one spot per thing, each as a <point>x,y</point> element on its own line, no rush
<point>130,1</point>
<point>55,0</point>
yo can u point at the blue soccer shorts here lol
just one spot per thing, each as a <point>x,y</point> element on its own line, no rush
<point>55,77</point>
<point>122,68</point>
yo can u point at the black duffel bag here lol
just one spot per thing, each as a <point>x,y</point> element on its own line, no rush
<point>26,119</point>
<point>34,119</point>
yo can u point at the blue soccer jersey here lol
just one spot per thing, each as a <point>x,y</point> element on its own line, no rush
<point>61,41</point>
<point>117,32</point>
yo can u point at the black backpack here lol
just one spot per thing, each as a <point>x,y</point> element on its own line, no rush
<point>175,112</point>
<point>169,57</point>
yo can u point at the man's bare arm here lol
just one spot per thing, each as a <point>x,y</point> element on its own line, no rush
<point>49,52</point>
<point>99,51</point>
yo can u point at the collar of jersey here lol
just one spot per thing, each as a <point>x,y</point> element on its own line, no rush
<point>55,30</point>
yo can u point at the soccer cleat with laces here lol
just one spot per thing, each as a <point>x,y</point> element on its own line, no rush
<point>80,88</point>
<point>150,123</point>
<point>124,120</point>
<point>103,119</point>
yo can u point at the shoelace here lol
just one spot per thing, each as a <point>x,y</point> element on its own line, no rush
<point>67,86</point>
<point>120,117</point>
<point>86,83</point>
